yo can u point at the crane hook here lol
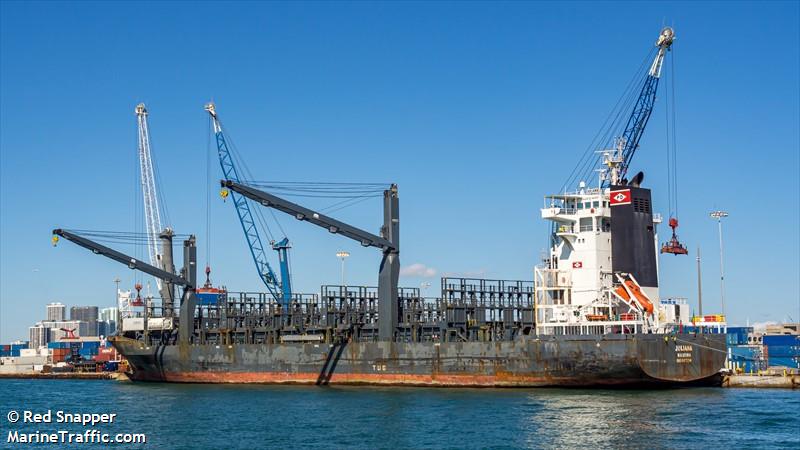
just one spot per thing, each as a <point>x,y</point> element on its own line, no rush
<point>55,240</point>
<point>224,194</point>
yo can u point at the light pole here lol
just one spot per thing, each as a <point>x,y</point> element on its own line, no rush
<point>342,255</point>
<point>116,303</point>
<point>719,215</point>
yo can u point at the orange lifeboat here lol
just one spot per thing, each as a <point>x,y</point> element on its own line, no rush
<point>640,297</point>
<point>637,292</point>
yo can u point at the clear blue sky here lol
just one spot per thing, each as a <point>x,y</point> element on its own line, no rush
<point>476,110</point>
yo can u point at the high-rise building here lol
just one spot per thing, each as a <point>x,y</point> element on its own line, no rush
<point>107,324</point>
<point>39,336</point>
<point>86,314</point>
<point>56,311</point>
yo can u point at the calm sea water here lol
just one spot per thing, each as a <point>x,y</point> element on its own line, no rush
<point>221,417</point>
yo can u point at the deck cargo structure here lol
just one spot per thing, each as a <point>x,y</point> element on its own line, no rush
<point>589,316</point>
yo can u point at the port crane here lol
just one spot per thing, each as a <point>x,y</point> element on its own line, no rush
<point>619,160</point>
<point>280,289</point>
<point>159,257</point>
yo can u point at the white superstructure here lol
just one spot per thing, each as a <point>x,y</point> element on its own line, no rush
<point>577,290</point>
<point>588,283</point>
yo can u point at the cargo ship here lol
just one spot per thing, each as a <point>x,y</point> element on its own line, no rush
<point>589,316</point>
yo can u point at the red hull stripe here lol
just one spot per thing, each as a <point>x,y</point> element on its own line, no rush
<point>368,379</point>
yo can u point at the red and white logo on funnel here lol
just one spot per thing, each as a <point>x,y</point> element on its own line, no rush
<point>622,197</point>
<point>577,265</point>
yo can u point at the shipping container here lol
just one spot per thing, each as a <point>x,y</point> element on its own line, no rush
<point>793,363</point>
<point>781,340</point>
<point>747,352</point>
<point>102,357</point>
<point>738,335</point>
<point>87,352</point>
<point>783,350</point>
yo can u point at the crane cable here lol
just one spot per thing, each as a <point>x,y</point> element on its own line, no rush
<point>671,141</point>
<point>245,175</point>
<point>606,133</point>
<point>209,188</point>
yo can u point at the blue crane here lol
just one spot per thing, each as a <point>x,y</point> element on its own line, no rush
<point>628,142</point>
<point>281,290</point>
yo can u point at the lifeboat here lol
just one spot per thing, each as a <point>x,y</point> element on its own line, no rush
<point>629,287</point>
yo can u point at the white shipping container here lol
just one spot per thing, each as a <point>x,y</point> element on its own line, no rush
<point>28,352</point>
<point>159,323</point>
<point>133,324</point>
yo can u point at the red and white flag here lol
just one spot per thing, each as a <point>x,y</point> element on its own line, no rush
<point>621,197</point>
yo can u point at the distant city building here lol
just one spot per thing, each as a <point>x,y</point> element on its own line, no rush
<point>784,328</point>
<point>39,336</point>
<point>86,314</point>
<point>107,324</point>
<point>56,311</point>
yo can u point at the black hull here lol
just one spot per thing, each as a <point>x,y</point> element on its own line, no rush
<point>642,360</point>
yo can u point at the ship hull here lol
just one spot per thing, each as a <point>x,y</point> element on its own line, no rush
<point>607,360</point>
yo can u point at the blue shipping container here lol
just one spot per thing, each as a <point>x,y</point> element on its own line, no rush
<point>784,362</point>
<point>207,298</point>
<point>783,350</point>
<point>781,340</point>
<point>743,352</point>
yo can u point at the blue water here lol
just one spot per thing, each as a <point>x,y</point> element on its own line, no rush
<point>221,417</point>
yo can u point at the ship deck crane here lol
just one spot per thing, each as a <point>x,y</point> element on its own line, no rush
<point>280,289</point>
<point>388,242</point>
<point>619,161</point>
<point>628,142</point>
<point>159,257</point>
<point>187,278</point>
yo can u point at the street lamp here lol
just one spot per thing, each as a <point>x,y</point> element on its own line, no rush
<point>342,255</point>
<point>719,215</point>
<point>116,303</point>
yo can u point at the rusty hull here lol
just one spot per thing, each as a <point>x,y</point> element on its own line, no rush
<point>591,360</point>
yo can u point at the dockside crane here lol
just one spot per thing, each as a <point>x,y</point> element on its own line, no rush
<point>281,289</point>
